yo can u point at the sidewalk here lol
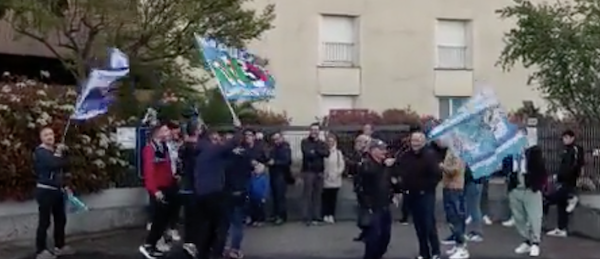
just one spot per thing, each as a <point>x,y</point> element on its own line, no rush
<point>295,241</point>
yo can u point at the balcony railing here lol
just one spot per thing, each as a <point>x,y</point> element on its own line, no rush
<point>338,54</point>
<point>452,57</point>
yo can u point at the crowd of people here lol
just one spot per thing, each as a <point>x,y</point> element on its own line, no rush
<point>222,181</point>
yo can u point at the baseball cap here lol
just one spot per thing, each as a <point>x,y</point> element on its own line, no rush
<point>376,143</point>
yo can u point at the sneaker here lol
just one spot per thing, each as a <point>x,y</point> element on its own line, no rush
<point>436,257</point>
<point>65,250</point>
<point>572,204</point>
<point>326,219</point>
<point>509,223</point>
<point>190,249</point>
<point>452,250</point>
<point>279,221</point>
<point>487,220</point>
<point>403,222</point>
<point>174,235</point>
<point>557,233</point>
<point>236,254</point>
<point>449,240</point>
<point>460,253</point>
<point>534,251</point>
<point>473,237</point>
<point>162,245</point>
<point>150,252</point>
<point>45,255</point>
<point>523,248</point>
<point>468,220</point>
<point>149,226</point>
<point>314,223</point>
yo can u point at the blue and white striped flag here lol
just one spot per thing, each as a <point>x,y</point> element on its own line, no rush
<point>95,96</point>
<point>480,134</point>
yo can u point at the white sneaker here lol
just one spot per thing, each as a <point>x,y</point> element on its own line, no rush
<point>149,226</point>
<point>452,250</point>
<point>572,204</point>
<point>557,233</point>
<point>461,253</point>
<point>162,245</point>
<point>174,235</point>
<point>487,220</point>
<point>534,251</point>
<point>468,220</point>
<point>509,223</point>
<point>326,219</point>
<point>331,219</point>
<point>523,248</point>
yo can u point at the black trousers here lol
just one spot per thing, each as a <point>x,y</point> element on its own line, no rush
<point>422,207</point>
<point>51,204</point>
<point>560,197</point>
<point>278,191</point>
<point>163,213</point>
<point>190,221</point>
<point>329,201</point>
<point>212,213</point>
<point>404,208</point>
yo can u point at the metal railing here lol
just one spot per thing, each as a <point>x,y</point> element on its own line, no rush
<point>338,54</point>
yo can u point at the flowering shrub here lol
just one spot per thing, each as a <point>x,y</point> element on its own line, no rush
<point>387,117</point>
<point>25,107</point>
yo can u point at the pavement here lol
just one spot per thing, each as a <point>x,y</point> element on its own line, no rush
<point>296,241</point>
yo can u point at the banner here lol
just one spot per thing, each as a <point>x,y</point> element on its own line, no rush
<point>480,134</point>
<point>237,72</point>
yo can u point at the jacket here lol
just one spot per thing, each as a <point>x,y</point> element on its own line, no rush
<point>314,151</point>
<point>535,176</point>
<point>334,168</point>
<point>48,168</point>
<point>419,171</point>
<point>211,161</point>
<point>158,174</point>
<point>571,164</point>
<point>282,159</point>
<point>259,187</point>
<point>239,167</point>
<point>187,159</point>
<point>377,187</point>
<point>453,175</point>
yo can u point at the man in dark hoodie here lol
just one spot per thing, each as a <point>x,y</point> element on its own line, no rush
<point>314,151</point>
<point>209,189</point>
<point>571,163</point>
<point>420,176</point>
<point>49,163</point>
<point>279,168</point>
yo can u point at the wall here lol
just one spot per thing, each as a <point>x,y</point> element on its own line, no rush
<point>110,209</point>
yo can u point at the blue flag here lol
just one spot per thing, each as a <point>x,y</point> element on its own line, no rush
<point>480,134</point>
<point>95,96</point>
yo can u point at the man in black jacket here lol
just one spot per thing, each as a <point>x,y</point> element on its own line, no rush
<point>279,164</point>
<point>187,157</point>
<point>420,175</point>
<point>525,183</point>
<point>378,189</point>
<point>563,197</point>
<point>314,152</point>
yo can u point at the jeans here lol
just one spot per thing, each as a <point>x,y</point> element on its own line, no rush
<point>257,210</point>
<point>404,208</point>
<point>473,206</point>
<point>454,206</point>
<point>190,212</point>
<point>236,227</point>
<point>485,200</point>
<point>422,207</point>
<point>51,204</point>
<point>278,191</point>
<point>378,234</point>
<point>311,195</point>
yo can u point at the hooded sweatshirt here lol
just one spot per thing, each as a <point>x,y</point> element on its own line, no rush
<point>48,168</point>
<point>209,169</point>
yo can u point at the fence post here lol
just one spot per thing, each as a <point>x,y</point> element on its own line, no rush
<point>532,131</point>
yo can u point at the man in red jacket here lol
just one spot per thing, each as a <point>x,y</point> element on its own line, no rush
<point>162,187</point>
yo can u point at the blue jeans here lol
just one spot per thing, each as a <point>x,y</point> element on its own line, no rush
<point>473,206</point>
<point>236,227</point>
<point>454,206</point>
<point>378,234</point>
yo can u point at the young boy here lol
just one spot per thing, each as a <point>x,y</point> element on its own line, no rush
<point>259,188</point>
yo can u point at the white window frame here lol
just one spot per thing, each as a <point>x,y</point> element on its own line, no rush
<point>338,52</point>
<point>453,50</point>
<point>449,100</point>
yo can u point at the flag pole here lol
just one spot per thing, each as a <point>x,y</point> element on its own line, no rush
<point>67,126</point>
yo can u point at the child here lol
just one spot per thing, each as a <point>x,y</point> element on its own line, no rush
<point>259,188</point>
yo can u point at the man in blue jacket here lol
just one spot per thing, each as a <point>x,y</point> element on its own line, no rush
<point>209,184</point>
<point>279,170</point>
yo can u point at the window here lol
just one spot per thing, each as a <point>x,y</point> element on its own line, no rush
<point>338,37</point>
<point>449,105</point>
<point>336,102</point>
<point>453,44</point>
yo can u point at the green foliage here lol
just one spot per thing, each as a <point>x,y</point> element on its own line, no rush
<point>157,35</point>
<point>560,43</point>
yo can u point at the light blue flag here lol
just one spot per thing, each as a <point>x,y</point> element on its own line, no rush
<point>95,96</point>
<point>238,75</point>
<point>480,134</point>
<point>75,205</point>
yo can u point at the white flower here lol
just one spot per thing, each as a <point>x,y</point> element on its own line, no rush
<point>85,139</point>
<point>31,125</point>
<point>71,92</point>
<point>41,122</point>
<point>16,145</point>
<point>88,150</point>
<point>77,146</point>
<point>6,73</point>
<point>67,107</point>
<point>123,163</point>
<point>99,163</point>
<point>5,142</point>
<point>20,84</point>
<point>113,161</point>
<point>14,98</point>
<point>41,93</point>
<point>4,107</point>
<point>6,89</point>
<point>113,137</point>
<point>30,82</point>
<point>100,152</point>
<point>44,73</point>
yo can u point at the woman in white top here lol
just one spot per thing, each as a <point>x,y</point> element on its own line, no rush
<point>334,168</point>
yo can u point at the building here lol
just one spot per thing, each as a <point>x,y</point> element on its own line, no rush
<point>380,54</point>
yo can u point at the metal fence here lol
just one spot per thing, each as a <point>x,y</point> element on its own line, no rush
<point>588,136</point>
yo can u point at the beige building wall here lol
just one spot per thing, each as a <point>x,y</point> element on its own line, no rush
<point>396,66</point>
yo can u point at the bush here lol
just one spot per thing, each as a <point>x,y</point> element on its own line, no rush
<point>387,117</point>
<point>25,107</point>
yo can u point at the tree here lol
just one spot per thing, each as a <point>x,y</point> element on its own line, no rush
<point>560,43</point>
<point>156,34</point>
